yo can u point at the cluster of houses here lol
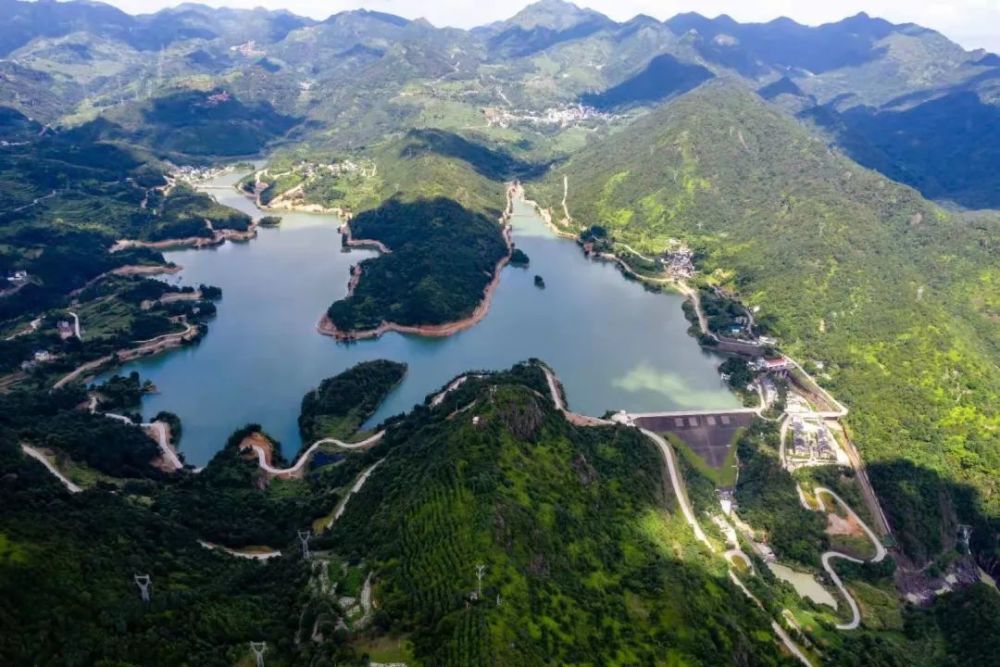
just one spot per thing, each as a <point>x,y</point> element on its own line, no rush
<point>678,260</point>
<point>248,49</point>
<point>567,116</point>
<point>40,357</point>
<point>193,174</point>
<point>813,444</point>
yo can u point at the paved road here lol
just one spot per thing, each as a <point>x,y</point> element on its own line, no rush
<point>41,458</point>
<point>362,478</point>
<point>249,555</point>
<point>828,556</point>
<point>675,480</point>
<point>455,384</point>
<point>166,449</point>
<point>76,324</point>
<point>303,458</point>
<point>680,493</point>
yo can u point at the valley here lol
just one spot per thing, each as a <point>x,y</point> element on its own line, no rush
<point>357,340</point>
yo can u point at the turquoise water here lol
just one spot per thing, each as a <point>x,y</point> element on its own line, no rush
<point>614,344</point>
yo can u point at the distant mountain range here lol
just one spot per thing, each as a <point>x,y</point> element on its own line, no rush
<point>901,99</point>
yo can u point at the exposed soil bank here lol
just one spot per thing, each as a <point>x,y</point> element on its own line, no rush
<point>218,237</point>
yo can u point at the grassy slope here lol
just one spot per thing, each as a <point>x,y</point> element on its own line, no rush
<point>852,269</point>
<point>409,168</point>
<point>588,565</point>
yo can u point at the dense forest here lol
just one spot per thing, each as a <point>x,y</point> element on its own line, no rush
<point>584,555</point>
<point>767,499</point>
<point>442,257</point>
<point>579,545</point>
<point>65,199</point>
<point>342,403</point>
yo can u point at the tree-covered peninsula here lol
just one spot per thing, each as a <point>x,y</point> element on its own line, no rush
<point>442,257</point>
<point>342,403</point>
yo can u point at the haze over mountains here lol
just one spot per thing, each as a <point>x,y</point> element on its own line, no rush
<point>898,98</point>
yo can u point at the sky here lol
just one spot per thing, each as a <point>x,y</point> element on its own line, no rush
<point>971,23</point>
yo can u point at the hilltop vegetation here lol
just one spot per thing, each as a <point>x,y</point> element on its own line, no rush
<point>847,267</point>
<point>65,199</point>
<point>442,257</point>
<point>412,130</point>
<point>194,124</point>
<point>586,558</point>
<point>340,404</point>
<point>583,561</point>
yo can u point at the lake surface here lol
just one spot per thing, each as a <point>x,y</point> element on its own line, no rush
<point>613,344</point>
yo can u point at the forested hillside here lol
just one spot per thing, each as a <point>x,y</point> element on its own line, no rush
<point>65,199</point>
<point>891,293</point>
<point>585,558</point>
<point>435,204</point>
<point>340,404</point>
<point>485,526</point>
<point>442,258</point>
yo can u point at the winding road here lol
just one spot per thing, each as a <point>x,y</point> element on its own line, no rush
<point>160,428</point>
<point>685,504</point>
<point>296,468</point>
<point>76,324</point>
<point>358,483</point>
<point>237,553</point>
<point>41,458</point>
<point>829,556</point>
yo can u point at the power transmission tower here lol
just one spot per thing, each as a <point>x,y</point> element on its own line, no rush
<point>964,535</point>
<point>258,649</point>
<point>304,537</point>
<point>480,571</point>
<point>143,582</point>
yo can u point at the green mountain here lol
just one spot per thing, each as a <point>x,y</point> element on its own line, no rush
<point>541,25</point>
<point>585,558</point>
<point>899,98</point>
<point>807,199</point>
<point>850,269</point>
<point>193,124</point>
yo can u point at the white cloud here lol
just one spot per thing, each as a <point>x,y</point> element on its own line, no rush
<point>972,23</point>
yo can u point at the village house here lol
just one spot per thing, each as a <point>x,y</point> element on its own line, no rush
<point>778,365</point>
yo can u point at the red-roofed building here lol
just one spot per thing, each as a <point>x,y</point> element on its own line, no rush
<point>774,365</point>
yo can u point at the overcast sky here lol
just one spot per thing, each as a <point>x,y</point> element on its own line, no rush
<point>972,23</point>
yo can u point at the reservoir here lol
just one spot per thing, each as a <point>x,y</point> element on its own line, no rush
<point>613,344</point>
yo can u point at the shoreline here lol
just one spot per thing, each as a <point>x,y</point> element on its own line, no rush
<point>289,207</point>
<point>146,348</point>
<point>360,244</point>
<point>556,228</point>
<point>326,327</point>
<point>218,237</point>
